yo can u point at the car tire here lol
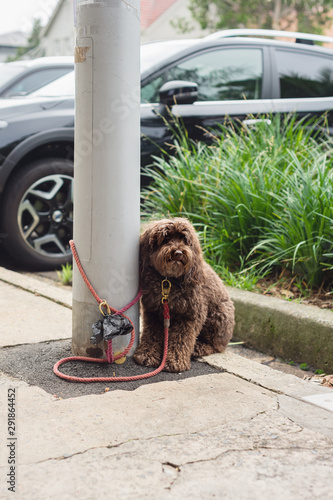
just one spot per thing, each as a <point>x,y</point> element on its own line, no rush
<point>37,214</point>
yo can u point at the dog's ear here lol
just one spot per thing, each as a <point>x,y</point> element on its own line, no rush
<point>160,231</point>
<point>144,250</point>
<point>150,239</point>
<point>196,272</point>
<point>195,275</point>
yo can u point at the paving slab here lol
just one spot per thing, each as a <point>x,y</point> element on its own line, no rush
<point>52,428</point>
<point>311,416</point>
<point>323,400</point>
<point>48,289</point>
<point>264,376</point>
<point>144,470</point>
<point>246,431</point>
<point>215,436</point>
<point>28,318</point>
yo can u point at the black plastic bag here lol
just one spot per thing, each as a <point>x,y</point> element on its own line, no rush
<point>110,326</point>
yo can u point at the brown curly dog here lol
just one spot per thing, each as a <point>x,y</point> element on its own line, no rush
<point>201,312</point>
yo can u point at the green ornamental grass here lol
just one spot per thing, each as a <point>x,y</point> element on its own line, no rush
<point>261,198</point>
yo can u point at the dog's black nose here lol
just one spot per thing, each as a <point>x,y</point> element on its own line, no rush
<point>177,255</point>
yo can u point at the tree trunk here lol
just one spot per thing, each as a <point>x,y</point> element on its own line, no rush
<point>276,17</point>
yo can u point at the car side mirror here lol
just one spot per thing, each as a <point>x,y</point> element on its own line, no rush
<point>178,92</point>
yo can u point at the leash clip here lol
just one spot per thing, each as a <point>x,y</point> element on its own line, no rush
<point>166,287</point>
<point>107,307</point>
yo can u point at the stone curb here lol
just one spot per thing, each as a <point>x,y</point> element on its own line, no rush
<point>292,331</point>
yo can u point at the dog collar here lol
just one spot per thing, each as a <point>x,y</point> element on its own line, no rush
<point>176,282</point>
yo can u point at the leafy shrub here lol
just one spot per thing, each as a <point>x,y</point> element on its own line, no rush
<point>260,198</point>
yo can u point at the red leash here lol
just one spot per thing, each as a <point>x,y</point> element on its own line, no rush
<point>109,353</point>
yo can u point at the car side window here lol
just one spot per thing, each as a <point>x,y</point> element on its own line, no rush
<point>36,80</point>
<point>304,75</point>
<point>227,74</point>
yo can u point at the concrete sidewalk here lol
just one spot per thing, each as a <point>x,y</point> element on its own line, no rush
<point>248,432</point>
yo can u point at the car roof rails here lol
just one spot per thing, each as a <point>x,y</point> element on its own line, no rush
<point>300,37</point>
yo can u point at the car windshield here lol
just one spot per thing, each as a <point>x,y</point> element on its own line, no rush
<point>8,71</point>
<point>151,54</point>
<point>63,86</point>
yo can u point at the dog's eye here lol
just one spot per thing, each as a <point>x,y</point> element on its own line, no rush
<point>187,240</point>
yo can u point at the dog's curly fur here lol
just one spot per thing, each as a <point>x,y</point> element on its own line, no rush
<point>201,312</point>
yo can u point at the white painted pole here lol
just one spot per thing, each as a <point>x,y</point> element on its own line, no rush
<point>106,164</point>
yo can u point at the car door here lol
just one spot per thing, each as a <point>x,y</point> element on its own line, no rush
<point>302,82</point>
<point>234,81</point>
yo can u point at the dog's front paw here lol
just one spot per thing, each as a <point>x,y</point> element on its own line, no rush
<point>175,365</point>
<point>143,357</point>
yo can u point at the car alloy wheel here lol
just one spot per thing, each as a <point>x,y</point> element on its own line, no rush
<point>45,215</point>
<point>36,216</point>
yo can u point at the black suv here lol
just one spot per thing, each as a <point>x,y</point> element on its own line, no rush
<point>232,74</point>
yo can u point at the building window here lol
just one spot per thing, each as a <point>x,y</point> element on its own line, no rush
<point>68,46</point>
<point>57,47</point>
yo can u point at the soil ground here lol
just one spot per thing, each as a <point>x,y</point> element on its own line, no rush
<point>285,286</point>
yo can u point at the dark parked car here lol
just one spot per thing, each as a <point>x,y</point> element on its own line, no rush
<point>220,76</point>
<point>21,78</point>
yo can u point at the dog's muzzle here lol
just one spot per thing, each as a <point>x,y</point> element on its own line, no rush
<point>177,255</point>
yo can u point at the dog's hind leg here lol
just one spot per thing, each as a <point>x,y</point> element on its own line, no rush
<point>216,332</point>
<point>201,349</point>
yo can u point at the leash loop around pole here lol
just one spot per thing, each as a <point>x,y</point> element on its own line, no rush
<point>109,354</point>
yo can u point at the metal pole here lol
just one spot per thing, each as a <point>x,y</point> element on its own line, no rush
<point>107,163</point>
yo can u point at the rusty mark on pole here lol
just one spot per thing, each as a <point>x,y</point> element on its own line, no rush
<point>80,54</point>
